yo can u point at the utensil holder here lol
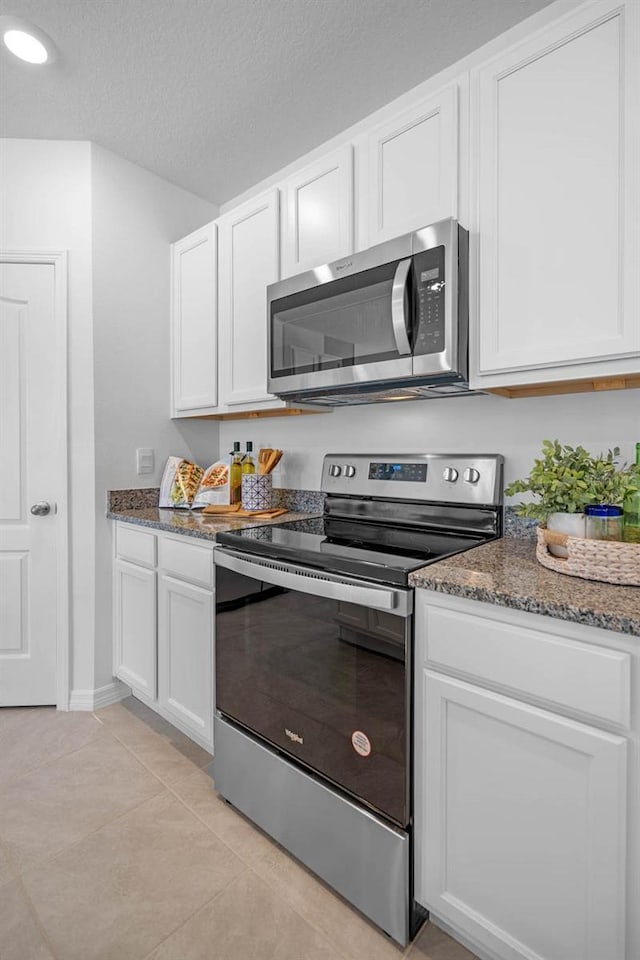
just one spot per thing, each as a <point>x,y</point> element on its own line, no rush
<point>257,491</point>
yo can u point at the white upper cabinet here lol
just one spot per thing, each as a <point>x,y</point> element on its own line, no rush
<point>249,261</point>
<point>413,167</point>
<point>318,215</point>
<point>556,123</point>
<point>193,320</point>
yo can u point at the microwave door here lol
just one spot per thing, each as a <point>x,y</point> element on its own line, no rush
<point>348,331</point>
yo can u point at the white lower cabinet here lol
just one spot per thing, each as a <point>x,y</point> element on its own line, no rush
<point>185,654</point>
<point>164,621</point>
<point>135,626</point>
<point>520,813</point>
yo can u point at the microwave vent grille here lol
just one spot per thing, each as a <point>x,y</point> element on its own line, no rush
<point>389,395</point>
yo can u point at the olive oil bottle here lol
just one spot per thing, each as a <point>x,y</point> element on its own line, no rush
<point>248,463</point>
<point>631,531</point>
<point>236,474</point>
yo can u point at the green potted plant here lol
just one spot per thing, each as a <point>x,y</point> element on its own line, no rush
<point>565,480</point>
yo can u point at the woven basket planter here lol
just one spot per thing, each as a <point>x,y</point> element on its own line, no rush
<point>609,561</point>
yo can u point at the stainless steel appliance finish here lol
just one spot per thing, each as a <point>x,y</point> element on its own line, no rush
<point>345,589</point>
<point>469,479</point>
<point>387,323</point>
<point>314,665</point>
<point>365,860</point>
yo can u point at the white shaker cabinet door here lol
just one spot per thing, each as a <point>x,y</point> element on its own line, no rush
<point>194,343</point>
<point>413,167</point>
<point>318,216</point>
<point>249,261</point>
<point>556,124</point>
<point>520,825</point>
<point>135,627</point>
<point>185,656</point>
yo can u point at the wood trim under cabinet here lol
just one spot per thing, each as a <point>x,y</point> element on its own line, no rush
<point>558,387</point>
<point>258,414</point>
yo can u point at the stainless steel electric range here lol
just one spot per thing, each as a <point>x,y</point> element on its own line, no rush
<point>314,660</point>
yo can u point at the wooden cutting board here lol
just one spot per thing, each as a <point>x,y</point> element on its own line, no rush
<point>226,510</point>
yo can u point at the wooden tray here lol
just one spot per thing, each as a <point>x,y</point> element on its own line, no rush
<point>235,510</point>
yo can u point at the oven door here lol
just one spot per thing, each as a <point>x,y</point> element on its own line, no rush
<point>347,323</point>
<point>319,666</point>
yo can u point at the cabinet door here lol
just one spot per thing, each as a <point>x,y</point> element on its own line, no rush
<point>318,224</point>
<point>249,261</point>
<point>194,326</point>
<point>185,655</point>
<point>556,124</point>
<point>520,824</point>
<point>413,167</point>
<point>135,627</point>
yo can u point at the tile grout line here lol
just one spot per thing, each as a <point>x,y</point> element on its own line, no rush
<point>168,787</point>
<point>248,864</point>
<point>47,763</point>
<point>32,906</point>
<point>159,735</point>
<point>191,915</point>
<point>41,928</point>
<point>40,863</point>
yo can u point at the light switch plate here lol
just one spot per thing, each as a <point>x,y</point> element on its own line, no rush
<point>145,460</point>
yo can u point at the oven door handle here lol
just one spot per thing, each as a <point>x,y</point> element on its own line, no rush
<point>305,580</point>
<point>398,314</point>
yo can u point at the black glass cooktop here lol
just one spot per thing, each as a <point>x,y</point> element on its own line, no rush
<point>374,551</point>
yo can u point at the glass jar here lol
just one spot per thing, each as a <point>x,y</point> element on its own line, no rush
<point>603,522</point>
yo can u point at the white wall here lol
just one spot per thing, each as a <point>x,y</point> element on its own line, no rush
<point>478,424</point>
<point>116,222</point>
<point>45,204</point>
<point>135,217</point>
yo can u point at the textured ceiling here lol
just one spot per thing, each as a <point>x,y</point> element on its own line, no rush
<point>215,95</point>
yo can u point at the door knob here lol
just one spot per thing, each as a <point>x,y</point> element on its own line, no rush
<point>41,509</point>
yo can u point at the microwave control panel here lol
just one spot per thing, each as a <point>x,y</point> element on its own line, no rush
<point>429,288</point>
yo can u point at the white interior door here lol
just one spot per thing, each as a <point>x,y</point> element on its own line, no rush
<point>29,477</point>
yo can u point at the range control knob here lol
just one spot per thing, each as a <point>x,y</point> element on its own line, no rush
<point>471,475</point>
<point>450,474</point>
<point>349,470</point>
<point>335,470</point>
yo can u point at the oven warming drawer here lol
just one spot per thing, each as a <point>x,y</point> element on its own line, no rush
<point>364,859</point>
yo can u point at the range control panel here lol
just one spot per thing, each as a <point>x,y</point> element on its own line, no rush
<point>442,477</point>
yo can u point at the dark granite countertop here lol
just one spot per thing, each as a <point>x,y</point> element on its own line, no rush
<point>506,572</point>
<point>193,523</point>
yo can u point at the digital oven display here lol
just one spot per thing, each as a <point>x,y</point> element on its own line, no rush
<point>412,472</point>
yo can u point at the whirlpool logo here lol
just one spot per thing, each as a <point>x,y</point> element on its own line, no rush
<point>294,736</point>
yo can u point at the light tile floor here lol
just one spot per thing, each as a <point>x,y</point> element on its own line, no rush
<point>115,846</point>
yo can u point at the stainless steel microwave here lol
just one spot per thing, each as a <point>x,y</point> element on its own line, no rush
<point>388,323</point>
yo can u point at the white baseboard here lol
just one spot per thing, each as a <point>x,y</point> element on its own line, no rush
<point>100,697</point>
<point>479,950</point>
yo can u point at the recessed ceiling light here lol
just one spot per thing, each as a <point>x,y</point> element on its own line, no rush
<point>26,41</point>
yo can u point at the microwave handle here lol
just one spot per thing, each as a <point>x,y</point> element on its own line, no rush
<point>398,318</point>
